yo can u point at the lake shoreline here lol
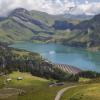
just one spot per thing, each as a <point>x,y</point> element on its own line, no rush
<point>55,53</point>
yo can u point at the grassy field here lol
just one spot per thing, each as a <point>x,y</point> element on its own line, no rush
<point>36,88</point>
<point>86,92</point>
<point>84,80</point>
<point>30,88</point>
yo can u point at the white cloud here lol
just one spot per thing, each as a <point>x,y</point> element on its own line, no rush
<point>86,2</point>
<point>51,6</point>
<point>90,8</point>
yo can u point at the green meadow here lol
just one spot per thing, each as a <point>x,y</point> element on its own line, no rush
<point>36,88</point>
<point>29,88</point>
<point>90,91</point>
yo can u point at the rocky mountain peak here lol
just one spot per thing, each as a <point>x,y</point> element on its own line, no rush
<point>19,11</point>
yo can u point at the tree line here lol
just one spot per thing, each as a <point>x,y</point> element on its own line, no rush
<point>89,74</point>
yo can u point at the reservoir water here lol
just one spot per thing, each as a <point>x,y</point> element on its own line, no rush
<point>61,54</point>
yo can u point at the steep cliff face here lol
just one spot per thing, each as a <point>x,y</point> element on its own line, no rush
<point>91,30</point>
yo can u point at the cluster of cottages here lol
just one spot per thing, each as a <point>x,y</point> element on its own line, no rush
<point>10,79</point>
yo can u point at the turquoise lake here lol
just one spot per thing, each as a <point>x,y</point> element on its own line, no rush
<point>61,54</point>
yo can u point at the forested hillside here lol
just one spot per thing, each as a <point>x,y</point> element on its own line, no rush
<point>24,61</point>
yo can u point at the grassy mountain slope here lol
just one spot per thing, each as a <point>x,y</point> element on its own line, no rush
<point>22,24</point>
<point>12,31</point>
<point>86,34</point>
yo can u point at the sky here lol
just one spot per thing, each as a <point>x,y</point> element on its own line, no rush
<point>89,7</point>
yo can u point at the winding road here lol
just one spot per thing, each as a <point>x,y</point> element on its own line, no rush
<point>60,93</point>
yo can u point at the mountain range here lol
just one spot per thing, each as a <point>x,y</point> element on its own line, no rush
<point>73,30</point>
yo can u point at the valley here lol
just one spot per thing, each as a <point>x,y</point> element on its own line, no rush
<point>24,25</point>
<point>43,56</point>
